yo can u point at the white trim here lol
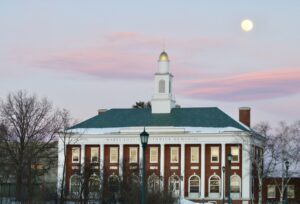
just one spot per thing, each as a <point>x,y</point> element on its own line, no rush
<point>78,156</point>
<point>110,155</point>
<point>172,149</point>
<point>238,150</point>
<point>130,155</point>
<point>156,156</point>
<point>197,153</point>
<point>211,155</point>
<point>236,195</point>
<point>196,194</point>
<point>214,194</point>
<point>274,188</point>
<point>70,182</point>
<point>94,148</point>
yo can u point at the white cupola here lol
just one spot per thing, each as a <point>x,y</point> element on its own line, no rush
<point>163,100</point>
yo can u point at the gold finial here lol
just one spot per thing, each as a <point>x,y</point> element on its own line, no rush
<point>163,57</point>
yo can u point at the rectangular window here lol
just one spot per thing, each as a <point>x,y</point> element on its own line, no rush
<point>271,191</point>
<point>153,154</point>
<point>75,154</point>
<point>174,154</point>
<point>194,154</point>
<point>133,154</point>
<point>291,191</point>
<point>235,154</point>
<point>94,154</point>
<point>113,154</point>
<point>214,154</point>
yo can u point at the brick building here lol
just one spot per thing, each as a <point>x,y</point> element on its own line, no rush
<point>186,151</point>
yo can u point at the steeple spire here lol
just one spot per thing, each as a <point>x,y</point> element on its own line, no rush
<point>163,100</point>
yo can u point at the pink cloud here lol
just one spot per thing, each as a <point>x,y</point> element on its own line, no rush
<point>249,86</point>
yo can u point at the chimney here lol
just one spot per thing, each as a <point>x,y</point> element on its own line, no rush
<point>100,111</point>
<point>245,115</point>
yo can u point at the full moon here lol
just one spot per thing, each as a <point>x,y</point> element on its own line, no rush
<point>247,25</point>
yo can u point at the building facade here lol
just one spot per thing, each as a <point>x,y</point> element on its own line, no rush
<point>186,153</point>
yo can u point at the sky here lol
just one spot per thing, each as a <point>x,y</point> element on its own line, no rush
<point>90,55</point>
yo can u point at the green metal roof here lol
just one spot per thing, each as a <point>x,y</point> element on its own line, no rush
<point>179,117</point>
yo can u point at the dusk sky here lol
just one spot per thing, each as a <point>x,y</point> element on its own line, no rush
<point>87,55</point>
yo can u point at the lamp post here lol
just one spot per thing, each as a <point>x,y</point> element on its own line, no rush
<point>223,169</point>
<point>287,165</point>
<point>229,157</point>
<point>144,140</point>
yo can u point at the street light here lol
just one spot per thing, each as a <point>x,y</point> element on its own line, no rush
<point>287,165</point>
<point>144,140</point>
<point>229,158</point>
<point>223,169</point>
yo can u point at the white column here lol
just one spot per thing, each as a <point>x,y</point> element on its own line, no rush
<point>82,160</point>
<point>182,167</point>
<point>246,172</point>
<point>61,161</point>
<point>223,159</point>
<point>162,164</point>
<point>121,152</point>
<point>202,170</point>
<point>141,158</point>
<point>101,161</point>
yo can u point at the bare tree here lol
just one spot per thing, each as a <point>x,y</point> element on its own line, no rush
<point>287,149</point>
<point>262,155</point>
<point>65,138</point>
<point>31,125</point>
<point>142,104</point>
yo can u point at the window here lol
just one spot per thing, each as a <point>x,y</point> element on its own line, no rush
<point>271,191</point>
<point>235,184</point>
<point>214,152</point>
<point>74,184</point>
<point>113,183</point>
<point>174,186</point>
<point>194,184</point>
<point>161,86</point>
<point>153,154</point>
<point>133,154</point>
<point>94,154</point>
<point>214,184</point>
<point>153,183</point>
<point>291,191</point>
<point>194,154</point>
<point>113,154</point>
<point>174,154</point>
<point>235,153</point>
<point>75,154</point>
<point>94,183</point>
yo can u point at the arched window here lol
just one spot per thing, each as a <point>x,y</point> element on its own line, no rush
<point>194,186</point>
<point>134,180</point>
<point>161,86</point>
<point>235,184</point>
<point>113,183</point>
<point>174,185</point>
<point>214,184</point>
<point>75,184</point>
<point>94,183</point>
<point>94,186</point>
<point>153,183</point>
